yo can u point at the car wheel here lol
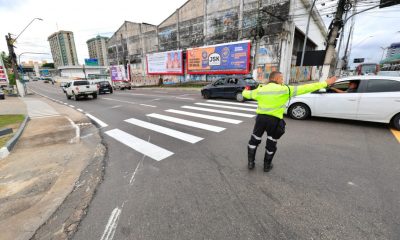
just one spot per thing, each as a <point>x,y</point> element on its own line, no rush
<point>94,95</point>
<point>239,97</point>
<point>206,95</point>
<point>396,122</point>
<point>111,91</point>
<point>299,111</point>
<point>68,96</point>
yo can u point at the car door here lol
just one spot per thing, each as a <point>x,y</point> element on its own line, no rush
<point>380,101</point>
<point>218,88</point>
<point>338,105</point>
<point>231,87</point>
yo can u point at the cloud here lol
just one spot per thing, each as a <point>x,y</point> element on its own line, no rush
<point>85,18</point>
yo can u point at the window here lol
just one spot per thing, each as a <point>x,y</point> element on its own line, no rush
<point>380,85</point>
<point>219,82</point>
<point>232,81</point>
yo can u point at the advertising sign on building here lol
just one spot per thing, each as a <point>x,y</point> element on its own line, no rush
<point>91,62</point>
<point>165,63</point>
<point>118,73</point>
<point>229,58</point>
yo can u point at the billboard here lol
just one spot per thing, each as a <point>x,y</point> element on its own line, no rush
<point>91,62</point>
<point>118,73</point>
<point>165,63</point>
<point>229,58</point>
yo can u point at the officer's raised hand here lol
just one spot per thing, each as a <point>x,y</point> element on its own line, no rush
<point>331,80</point>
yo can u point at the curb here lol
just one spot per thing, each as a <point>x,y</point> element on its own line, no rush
<point>5,151</point>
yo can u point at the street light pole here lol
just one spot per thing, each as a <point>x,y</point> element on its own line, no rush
<point>22,70</point>
<point>10,44</point>
<point>306,35</point>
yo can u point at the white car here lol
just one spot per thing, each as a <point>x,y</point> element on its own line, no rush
<point>376,99</point>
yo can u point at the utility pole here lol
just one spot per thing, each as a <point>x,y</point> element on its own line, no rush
<point>334,29</point>
<point>257,34</point>
<point>306,36</point>
<point>13,57</point>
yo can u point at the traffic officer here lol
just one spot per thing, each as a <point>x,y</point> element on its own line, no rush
<point>272,99</point>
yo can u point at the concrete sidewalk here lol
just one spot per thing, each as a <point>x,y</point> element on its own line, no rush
<point>45,167</point>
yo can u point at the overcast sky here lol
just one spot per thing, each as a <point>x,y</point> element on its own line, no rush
<point>88,18</point>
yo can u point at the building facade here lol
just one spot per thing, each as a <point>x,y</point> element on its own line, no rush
<point>97,49</point>
<point>276,29</point>
<point>393,49</point>
<point>63,50</point>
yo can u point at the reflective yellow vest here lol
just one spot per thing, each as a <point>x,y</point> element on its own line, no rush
<point>272,97</point>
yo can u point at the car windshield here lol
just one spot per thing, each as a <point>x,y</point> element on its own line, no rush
<point>80,83</point>
<point>250,81</point>
<point>103,83</point>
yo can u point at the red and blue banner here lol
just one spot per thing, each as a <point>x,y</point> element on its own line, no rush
<point>229,58</point>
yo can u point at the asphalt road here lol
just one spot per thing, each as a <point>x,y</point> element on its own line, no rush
<point>332,179</point>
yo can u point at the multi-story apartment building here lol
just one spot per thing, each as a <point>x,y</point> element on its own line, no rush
<point>97,49</point>
<point>393,49</point>
<point>63,50</point>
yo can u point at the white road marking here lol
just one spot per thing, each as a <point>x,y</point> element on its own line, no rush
<point>80,110</point>
<point>160,92</point>
<point>146,105</point>
<point>98,121</point>
<point>187,122</point>
<point>233,103</point>
<point>72,106</point>
<point>223,106</point>
<point>167,131</point>
<point>220,119</point>
<point>87,135</point>
<point>352,184</point>
<point>137,94</point>
<point>153,151</point>
<point>220,111</point>
<point>157,99</point>
<point>65,103</point>
<point>111,226</point>
<point>111,99</point>
<point>184,98</point>
<point>116,106</point>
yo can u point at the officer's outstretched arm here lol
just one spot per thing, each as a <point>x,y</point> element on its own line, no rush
<point>307,88</point>
<point>250,94</point>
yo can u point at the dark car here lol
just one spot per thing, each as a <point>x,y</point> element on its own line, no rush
<point>229,87</point>
<point>104,86</point>
<point>1,94</point>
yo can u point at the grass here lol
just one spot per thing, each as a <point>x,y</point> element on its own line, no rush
<point>9,121</point>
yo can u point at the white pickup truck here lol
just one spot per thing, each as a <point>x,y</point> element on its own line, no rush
<point>80,88</point>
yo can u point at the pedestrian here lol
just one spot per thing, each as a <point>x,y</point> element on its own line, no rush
<point>272,99</point>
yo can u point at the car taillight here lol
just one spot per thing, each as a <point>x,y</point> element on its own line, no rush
<point>98,86</point>
<point>247,88</point>
<point>77,89</point>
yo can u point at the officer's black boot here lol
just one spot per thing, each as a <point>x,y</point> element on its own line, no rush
<point>251,154</point>
<point>268,162</point>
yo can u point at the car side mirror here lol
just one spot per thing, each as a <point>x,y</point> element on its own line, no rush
<point>322,90</point>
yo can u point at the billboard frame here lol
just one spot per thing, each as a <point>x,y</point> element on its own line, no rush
<point>222,72</point>
<point>165,73</point>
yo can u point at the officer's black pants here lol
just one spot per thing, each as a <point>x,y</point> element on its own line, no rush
<point>274,127</point>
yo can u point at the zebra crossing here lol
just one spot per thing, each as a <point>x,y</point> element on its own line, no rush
<point>213,108</point>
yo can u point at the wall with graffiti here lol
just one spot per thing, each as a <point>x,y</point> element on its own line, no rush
<point>305,73</point>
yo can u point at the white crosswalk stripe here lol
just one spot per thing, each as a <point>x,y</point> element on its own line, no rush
<point>167,131</point>
<point>187,122</point>
<point>215,118</point>
<point>219,111</point>
<point>148,149</point>
<point>234,103</point>
<point>224,106</point>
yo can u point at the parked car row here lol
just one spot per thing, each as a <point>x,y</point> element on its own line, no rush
<point>376,98</point>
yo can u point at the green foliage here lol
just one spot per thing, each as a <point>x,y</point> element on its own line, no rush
<point>11,78</point>
<point>6,60</point>
<point>48,65</point>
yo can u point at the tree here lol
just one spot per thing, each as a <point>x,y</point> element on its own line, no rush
<point>48,65</point>
<point>6,60</point>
